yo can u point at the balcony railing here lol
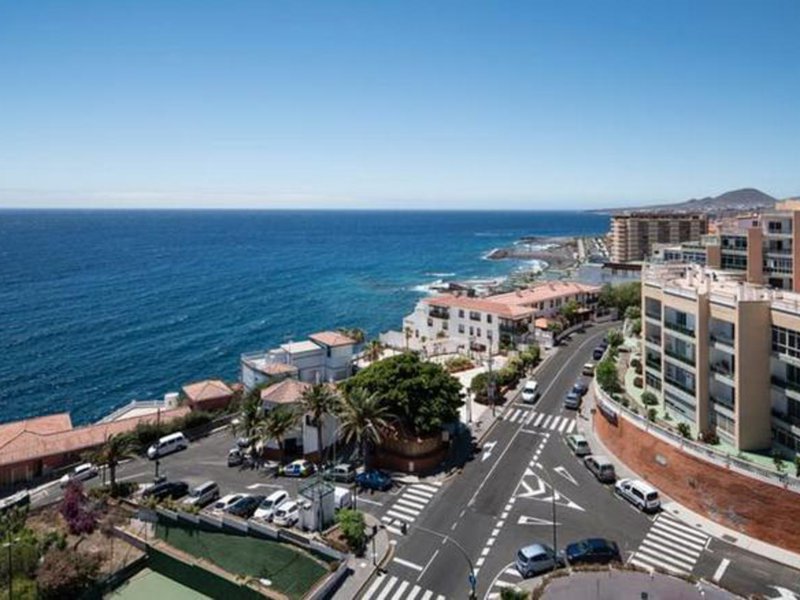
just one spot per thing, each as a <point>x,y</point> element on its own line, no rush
<point>653,339</point>
<point>722,368</point>
<point>721,338</point>
<point>787,418</point>
<point>684,359</point>
<point>514,328</point>
<point>785,383</point>
<point>439,314</point>
<point>729,404</point>
<point>681,386</point>
<point>653,362</point>
<point>653,314</point>
<point>679,328</point>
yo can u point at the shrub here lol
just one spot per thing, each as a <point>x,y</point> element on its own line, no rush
<point>636,362</point>
<point>125,489</point>
<point>530,357</point>
<point>637,382</point>
<point>685,430</point>
<point>458,363</point>
<point>615,338</point>
<point>353,528</point>
<point>709,437</point>
<point>649,399</point>
<point>778,460</point>
<point>636,327</point>
<point>79,517</point>
<point>651,415</point>
<point>797,466</point>
<point>67,573</point>
<point>606,374</point>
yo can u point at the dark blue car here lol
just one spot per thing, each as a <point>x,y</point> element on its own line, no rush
<point>580,388</point>
<point>374,480</point>
<point>592,551</point>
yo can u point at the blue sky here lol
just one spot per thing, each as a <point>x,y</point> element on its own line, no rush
<point>406,104</point>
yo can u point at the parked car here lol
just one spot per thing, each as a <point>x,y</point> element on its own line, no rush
<point>642,495</point>
<point>598,352</point>
<point>168,489</point>
<point>374,480</point>
<point>343,473</point>
<point>536,559</point>
<point>244,442</point>
<point>588,369</point>
<point>530,393</point>
<point>601,468</point>
<point>17,500</point>
<point>592,551</point>
<point>79,473</point>
<point>271,467</point>
<point>342,498</point>
<point>235,457</point>
<point>270,504</point>
<point>288,514</point>
<point>245,507</point>
<point>580,388</point>
<point>578,444</point>
<point>221,505</point>
<point>572,401</point>
<point>298,468</point>
<point>167,444</point>
<point>202,495</point>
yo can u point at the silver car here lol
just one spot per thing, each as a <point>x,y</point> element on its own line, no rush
<point>536,559</point>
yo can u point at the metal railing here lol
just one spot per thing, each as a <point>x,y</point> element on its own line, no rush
<point>679,328</point>
<point>784,383</point>
<point>681,386</point>
<point>703,451</point>
<point>684,359</point>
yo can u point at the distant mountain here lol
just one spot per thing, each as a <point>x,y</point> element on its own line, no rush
<point>746,199</point>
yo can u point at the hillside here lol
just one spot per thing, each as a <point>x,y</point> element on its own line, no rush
<point>745,199</point>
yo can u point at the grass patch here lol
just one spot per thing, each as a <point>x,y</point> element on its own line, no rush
<point>290,570</point>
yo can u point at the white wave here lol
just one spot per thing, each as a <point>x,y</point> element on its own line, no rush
<point>439,275</point>
<point>428,288</point>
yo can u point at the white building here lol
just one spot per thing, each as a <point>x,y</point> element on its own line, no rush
<point>325,356</point>
<point>486,323</point>
<point>303,440</point>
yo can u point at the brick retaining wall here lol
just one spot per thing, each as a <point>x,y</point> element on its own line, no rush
<point>760,510</point>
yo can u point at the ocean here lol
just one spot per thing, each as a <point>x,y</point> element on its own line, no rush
<point>98,308</point>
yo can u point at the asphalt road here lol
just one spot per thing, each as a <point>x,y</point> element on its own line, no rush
<point>503,500</point>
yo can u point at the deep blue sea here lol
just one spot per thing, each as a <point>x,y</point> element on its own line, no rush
<point>101,307</point>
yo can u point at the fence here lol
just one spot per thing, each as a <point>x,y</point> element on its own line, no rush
<point>611,409</point>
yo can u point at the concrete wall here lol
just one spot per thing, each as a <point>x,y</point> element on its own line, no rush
<point>753,402</point>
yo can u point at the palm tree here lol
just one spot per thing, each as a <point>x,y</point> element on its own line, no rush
<point>117,448</point>
<point>319,400</point>
<point>407,331</point>
<point>276,424</point>
<point>355,334</point>
<point>250,416</point>
<point>373,350</point>
<point>362,418</point>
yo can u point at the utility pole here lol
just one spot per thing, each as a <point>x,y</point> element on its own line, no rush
<point>490,382</point>
<point>473,579</point>
<point>553,489</point>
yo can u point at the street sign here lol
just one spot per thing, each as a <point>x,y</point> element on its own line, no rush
<point>473,581</point>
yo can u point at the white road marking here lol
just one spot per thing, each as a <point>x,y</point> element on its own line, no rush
<point>487,450</point>
<point>563,425</point>
<point>512,572</point>
<point>572,426</point>
<point>523,520</point>
<point>405,509</point>
<point>407,563</point>
<point>373,588</point>
<point>423,486</point>
<point>517,413</point>
<point>414,591</point>
<point>398,515</point>
<point>427,595</point>
<point>721,569</point>
<point>399,593</point>
<point>546,421</point>
<point>360,499</point>
<point>385,591</point>
<point>418,494</point>
<point>428,564</point>
<point>539,419</point>
<point>408,502</point>
<point>565,474</point>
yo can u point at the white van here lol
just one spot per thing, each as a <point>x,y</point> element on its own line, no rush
<point>203,494</point>
<point>342,498</point>
<point>530,393</point>
<point>642,495</point>
<point>167,444</point>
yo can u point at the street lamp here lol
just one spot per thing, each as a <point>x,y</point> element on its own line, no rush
<point>553,489</point>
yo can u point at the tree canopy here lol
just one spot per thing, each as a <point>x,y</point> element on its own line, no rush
<point>621,296</point>
<point>422,395</point>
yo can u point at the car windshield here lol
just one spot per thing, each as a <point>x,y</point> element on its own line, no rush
<point>267,503</point>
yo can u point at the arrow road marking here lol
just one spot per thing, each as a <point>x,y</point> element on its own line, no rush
<point>523,520</point>
<point>487,452</point>
<point>565,474</point>
<point>541,487</point>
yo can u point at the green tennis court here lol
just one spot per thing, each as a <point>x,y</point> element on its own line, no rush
<point>288,569</point>
<point>147,585</point>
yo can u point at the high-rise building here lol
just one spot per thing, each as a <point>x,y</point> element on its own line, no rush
<point>633,235</point>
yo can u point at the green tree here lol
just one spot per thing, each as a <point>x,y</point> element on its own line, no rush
<point>276,424</point>
<point>373,350</point>
<point>570,311</point>
<point>777,459</point>
<point>117,447</point>
<point>649,399</point>
<point>422,395</point>
<point>319,401</point>
<point>615,338</point>
<point>353,528</point>
<point>606,374</point>
<point>252,412</point>
<point>362,419</point>
<point>633,312</point>
<point>354,333</point>
<point>512,593</point>
<point>621,296</point>
<point>636,327</point>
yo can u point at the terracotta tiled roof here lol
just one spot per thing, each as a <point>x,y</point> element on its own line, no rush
<point>212,389</point>
<point>30,445</point>
<point>37,426</point>
<point>287,391</point>
<point>278,369</point>
<point>332,338</point>
<point>515,304</point>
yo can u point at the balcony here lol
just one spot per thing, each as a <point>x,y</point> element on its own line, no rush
<point>653,339</point>
<point>653,363</point>
<point>439,313</point>
<point>792,420</point>
<point>653,314</point>
<point>721,338</point>
<point>730,404</point>
<point>722,368</point>
<point>679,328</point>
<point>785,384</point>
<point>684,359</point>
<point>681,386</point>
<point>513,327</point>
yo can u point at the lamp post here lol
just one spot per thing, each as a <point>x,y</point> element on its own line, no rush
<point>553,489</point>
<point>473,580</point>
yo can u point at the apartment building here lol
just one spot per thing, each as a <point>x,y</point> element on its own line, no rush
<point>488,322</point>
<point>723,354</point>
<point>765,248</point>
<point>633,235</point>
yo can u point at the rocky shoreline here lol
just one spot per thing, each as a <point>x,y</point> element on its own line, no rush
<point>556,252</point>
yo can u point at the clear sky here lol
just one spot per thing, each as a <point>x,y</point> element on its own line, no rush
<point>389,104</point>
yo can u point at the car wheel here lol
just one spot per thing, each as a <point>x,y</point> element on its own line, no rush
<point>530,574</point>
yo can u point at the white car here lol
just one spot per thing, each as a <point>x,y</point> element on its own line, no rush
<point>79,473</point>
<point>287,514</point>
<point>266,510</point>
<point>530,393</point>
<point>642,495</point>
<point>224,503</point>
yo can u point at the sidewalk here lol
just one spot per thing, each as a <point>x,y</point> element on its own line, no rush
<point>586,428</point>
<point>361,567</point>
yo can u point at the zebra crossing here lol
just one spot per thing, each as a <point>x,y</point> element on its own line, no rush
<point>671,545</point>
<point>538,420</point>
<point>409,505</point>
<point>390,587</point>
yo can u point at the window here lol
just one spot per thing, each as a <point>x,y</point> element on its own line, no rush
<point>461,313</point>
<point>786,341</point>
<point>488,318</point>
<point>471,330</point>
<point>474,316</point>
<point>479,332</point>
<point>460,328</point>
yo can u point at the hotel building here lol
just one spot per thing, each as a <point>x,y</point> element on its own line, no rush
<point>765,248</point>
<point>633,235</point>
<point>723,354</point>
<point>488,322</point>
